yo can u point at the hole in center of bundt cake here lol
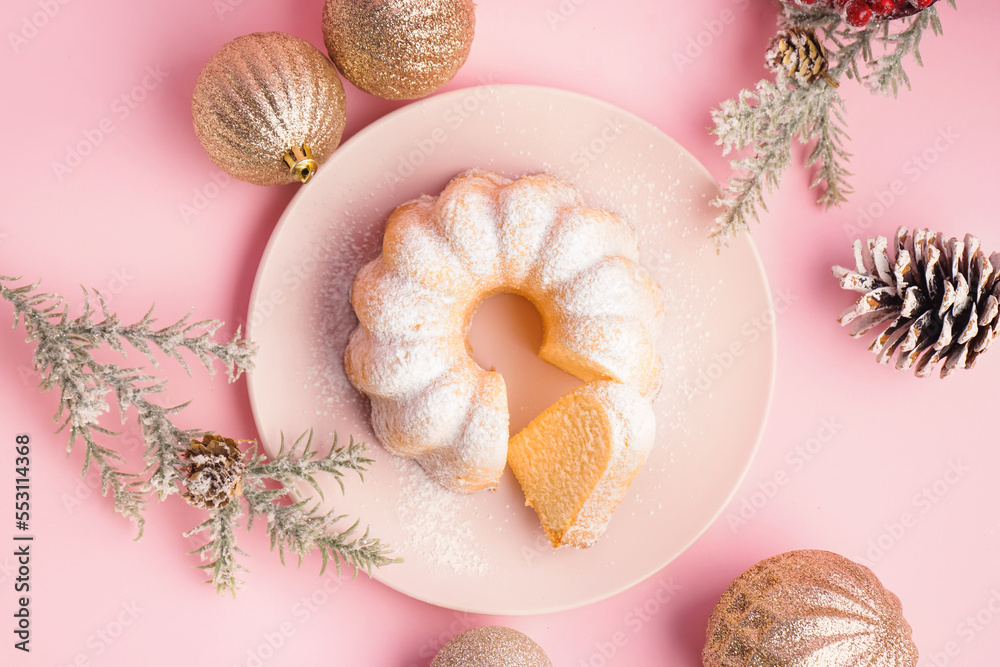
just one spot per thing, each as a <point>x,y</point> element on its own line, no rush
<point>505,336</point>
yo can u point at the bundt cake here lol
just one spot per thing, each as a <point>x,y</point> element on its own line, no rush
<point>441,257</point>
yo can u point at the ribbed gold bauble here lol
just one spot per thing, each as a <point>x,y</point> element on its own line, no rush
<point>806,609</point>
<point>269,108</point>
<point>398,49</point>
<point>491,646</point>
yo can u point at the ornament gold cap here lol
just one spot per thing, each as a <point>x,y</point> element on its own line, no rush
<point>301,163</point>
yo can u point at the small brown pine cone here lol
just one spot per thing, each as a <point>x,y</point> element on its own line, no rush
<point>799,54</point>
<point>214,473</point>
<point>940,299</point>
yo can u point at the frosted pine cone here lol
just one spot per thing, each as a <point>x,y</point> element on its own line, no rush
<point>215,472</point>
<point>799,54</point>
<point>939,297</point>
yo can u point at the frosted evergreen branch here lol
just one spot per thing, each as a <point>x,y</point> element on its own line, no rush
<point>828,153</point>
<point>69,366</point>
<point>764,121</point>
<point>196,337</point>
<point>888,74</point>
<point>64,360</point>
<point>296,527</point>
<point>749,121</point>
<point>220,552</point>
<point>293,465</point>
<point>127,501</point>
<point>163,441</point>
<point>767,121</point>
<point>362,552</point>
<point>853,47</point>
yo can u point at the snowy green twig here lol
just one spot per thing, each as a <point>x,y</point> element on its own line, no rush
<point>69,356</point>
<point>766,120</point>
<point>292,526</point>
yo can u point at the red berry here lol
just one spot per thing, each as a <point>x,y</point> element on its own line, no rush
<point>882,7</point>
<point>857,13</point>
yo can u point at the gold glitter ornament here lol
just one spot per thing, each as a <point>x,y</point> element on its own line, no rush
<point>398,49</point>
<point>491,646</point>
<point>269,108</point>
<point>805,609</point>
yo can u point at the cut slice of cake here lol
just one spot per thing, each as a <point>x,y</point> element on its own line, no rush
<point>576,460</point>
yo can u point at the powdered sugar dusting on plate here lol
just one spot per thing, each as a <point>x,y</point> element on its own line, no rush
<point>431,518</point>
<point>347,249</point>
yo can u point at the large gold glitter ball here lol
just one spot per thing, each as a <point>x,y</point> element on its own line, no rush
<point>491,646</point>
<point>808,609</point>
<point>398,49</point>
<point>269,108</point>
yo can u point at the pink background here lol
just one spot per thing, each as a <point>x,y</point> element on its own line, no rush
<point>851,449</point>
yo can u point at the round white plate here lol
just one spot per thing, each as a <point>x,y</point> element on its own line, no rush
<point>486,552</point>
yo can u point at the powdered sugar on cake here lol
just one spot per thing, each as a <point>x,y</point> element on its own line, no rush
<point>441,257</point>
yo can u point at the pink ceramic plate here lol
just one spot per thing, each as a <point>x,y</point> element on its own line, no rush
<point>486,552</point>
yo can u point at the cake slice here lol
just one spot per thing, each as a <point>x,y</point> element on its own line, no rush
<point>576,460</point>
